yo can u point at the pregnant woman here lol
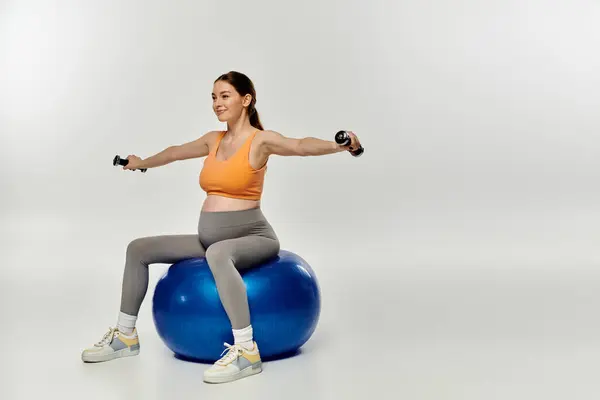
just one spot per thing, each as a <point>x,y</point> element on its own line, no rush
<point>233,234</point>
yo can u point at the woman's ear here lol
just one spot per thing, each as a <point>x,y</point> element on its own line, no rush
<point>247,100</point>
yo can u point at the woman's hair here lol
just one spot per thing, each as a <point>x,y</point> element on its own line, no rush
<point>243,85</point>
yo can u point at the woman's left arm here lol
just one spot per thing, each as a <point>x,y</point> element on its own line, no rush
<point>276,143</point>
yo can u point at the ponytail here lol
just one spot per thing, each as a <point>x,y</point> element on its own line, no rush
<point>255,119</point>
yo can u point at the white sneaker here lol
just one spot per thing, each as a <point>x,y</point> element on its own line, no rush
<point>114,344</point>
<point>236,364</point>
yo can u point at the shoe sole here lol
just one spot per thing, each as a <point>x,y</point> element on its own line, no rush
<point>108,357</point>
<point>249,371</point>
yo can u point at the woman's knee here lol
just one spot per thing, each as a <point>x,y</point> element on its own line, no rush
<point>217,254</point>
<point>137,248</point>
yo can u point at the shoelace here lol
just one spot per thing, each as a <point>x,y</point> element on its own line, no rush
<point>107,338</point>
<point>233,353</point>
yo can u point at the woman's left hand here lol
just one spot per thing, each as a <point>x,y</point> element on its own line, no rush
<point>354,142</point>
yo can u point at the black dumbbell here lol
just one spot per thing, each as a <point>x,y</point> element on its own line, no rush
<point>124,162</point>
<point>343,138</point>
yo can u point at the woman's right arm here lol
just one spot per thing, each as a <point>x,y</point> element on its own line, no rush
<point>194,149</point>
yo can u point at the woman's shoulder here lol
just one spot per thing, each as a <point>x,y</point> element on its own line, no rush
<point>264,137</point>
<point>266,134</point>
<point>211,138</point>
<point>214,135</point>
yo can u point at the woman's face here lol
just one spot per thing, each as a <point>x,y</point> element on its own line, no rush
<point>227,102</point>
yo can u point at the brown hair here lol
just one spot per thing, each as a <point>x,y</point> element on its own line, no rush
<point>243,85</point>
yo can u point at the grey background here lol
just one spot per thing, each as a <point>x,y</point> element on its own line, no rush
<point>471,220</point>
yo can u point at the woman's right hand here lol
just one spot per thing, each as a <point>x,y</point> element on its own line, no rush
<point>134,162</point>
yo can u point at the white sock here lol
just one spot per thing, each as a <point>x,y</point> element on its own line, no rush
<point>243,337</point>
<point>126,323</point>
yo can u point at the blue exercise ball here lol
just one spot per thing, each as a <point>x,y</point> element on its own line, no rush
<point>283,295</point>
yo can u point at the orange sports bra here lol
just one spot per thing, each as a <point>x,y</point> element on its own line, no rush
<point>233,177</point>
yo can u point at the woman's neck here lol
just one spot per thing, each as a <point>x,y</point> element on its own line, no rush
<point>239,127</point>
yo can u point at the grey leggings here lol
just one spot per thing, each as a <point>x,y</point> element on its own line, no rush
<point>230,241</point>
